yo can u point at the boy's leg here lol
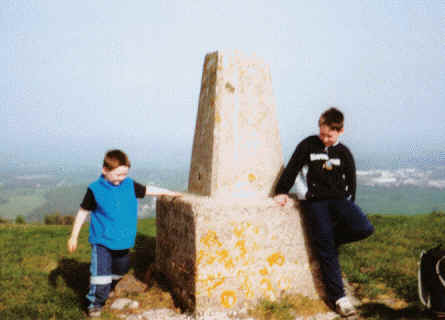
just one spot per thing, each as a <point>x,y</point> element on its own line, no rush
<point>100,276</point>
<point>352,223</point>
<point>120,265</point>
<point>322,237</point>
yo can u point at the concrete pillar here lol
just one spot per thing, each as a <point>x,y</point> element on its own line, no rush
<point>237,149</point>
<point>225,244</point>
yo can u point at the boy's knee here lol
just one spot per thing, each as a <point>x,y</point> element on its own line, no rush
<point>368,231</point>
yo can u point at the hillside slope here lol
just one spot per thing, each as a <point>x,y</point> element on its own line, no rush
<point>40,280</point>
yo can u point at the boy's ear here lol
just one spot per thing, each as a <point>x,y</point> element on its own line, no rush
<point>341,130</point>
<point>104,170</point>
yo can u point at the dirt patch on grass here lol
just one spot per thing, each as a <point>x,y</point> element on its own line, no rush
<point>152,293</point>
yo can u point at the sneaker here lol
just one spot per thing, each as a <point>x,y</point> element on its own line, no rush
<point>344,307</point>
<point>94,312</point>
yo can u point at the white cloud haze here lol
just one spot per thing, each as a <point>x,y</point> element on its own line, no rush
<point>433,178</point>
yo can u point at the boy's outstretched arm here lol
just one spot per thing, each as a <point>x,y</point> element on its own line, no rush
<point>156,191</point>
<point>78,222</point>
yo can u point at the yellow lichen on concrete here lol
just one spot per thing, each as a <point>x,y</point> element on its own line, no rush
<point>238,231</point>
<point>215,284</point>
<point>210,259</point>
<point>228,263</point>
<point>267,288</point>
<point>265,284</point>
<point>201,255</point>
<point>241,246</point>
<point>276,258</point>
<point>246,287</point>
<point>263,271</point>
<point>237,255</point>
<point>211,239</point>
<point>211,282</point>
<point>222,255</point>
<point>228,299</point>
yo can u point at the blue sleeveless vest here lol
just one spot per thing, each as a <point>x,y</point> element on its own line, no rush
<point>114,222</point>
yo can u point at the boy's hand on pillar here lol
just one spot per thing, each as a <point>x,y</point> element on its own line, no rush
<point>172,193</point>
<point>281,199</point>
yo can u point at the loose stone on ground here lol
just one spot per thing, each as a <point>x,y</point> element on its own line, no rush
<point>122,303</point>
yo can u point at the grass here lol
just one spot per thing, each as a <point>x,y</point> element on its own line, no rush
<point>287,308</point>
<point>383,268</point>
<point>30,255</point>
<point>40,280</point>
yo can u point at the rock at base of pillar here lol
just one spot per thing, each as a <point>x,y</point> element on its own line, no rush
<point>224,256</point>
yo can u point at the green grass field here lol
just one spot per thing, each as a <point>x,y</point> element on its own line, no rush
<point>383,268</point>
<point>40,280</point>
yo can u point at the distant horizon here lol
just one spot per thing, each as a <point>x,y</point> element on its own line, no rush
<point>181,162</point>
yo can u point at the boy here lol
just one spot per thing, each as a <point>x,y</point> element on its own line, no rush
<point>323,170</point>
<point>111,199</point>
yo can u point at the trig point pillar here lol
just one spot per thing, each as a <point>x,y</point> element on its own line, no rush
<point>225,244</point>
<point>237,149</point>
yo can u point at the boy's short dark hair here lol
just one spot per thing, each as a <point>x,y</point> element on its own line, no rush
<point>116,158</point>
<point>333,118</point>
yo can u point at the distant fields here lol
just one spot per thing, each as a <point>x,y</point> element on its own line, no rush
<point>36,194</point>
<point>34,203</point>
<point>21,202</point>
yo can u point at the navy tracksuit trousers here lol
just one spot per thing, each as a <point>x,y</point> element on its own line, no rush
<point>107,268</point>
<point>331,224</point>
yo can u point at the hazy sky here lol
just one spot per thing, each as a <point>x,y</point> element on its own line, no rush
<point>81,77</point>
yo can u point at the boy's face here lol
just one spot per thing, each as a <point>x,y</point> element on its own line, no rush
<point>329,136</point>
<point>117,175</point>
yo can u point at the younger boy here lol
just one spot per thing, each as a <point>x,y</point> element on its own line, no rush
<point>323,170</point>
<point>111,199</point>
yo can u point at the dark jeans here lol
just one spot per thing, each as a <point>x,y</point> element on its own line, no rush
<point>107,267</point>
<point>331,224</point>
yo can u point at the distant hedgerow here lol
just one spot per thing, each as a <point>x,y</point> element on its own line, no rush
<point>438,213</point>
<point>20,220</point>
<point>58,219</point>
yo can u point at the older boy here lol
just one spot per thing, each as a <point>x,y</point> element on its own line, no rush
<point>323,170</point>
<point>111,199</point>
